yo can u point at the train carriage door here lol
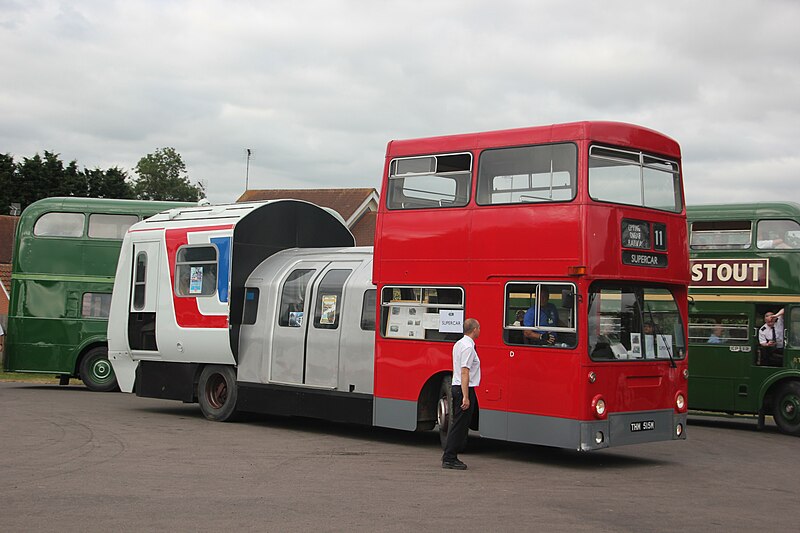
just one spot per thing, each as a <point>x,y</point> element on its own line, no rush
<point>324,328</point>
<point>289,338</point>
<point>144,290</point>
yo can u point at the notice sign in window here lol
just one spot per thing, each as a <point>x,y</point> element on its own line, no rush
<point>451,321</point>
<point>635,234</point>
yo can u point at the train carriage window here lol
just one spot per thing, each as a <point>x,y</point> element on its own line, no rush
<point>328,305</point>
<point>528,174</point>
<point>250,306</point>
<point>430,181</point>
<point>368,310</point>
<point>59,225</point>
<point>139,281</point>
<point>293,298</point>
<point>722,330</point>
<point>540,314</point>
<point>416,312</point>
<point>110,226</point>
<point>196,271</point>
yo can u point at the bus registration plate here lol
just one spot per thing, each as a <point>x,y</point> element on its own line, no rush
<point>644,425</point>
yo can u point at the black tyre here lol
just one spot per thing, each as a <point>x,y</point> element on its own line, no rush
<point>786,410</point>
<point>96,371</point>
<point>217,393</point>
<point>444,409</point>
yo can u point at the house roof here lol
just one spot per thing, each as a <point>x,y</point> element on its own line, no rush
<point>347,202</point>
<point>8,227</point>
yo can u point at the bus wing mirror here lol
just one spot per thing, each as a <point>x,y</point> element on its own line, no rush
<point>567,299</point>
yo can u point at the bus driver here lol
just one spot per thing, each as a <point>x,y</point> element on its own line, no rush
<point>548,316</point>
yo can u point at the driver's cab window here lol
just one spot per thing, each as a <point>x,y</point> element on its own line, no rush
<point>778,235</point>
<point>540,314</point>
<point>794,327</point>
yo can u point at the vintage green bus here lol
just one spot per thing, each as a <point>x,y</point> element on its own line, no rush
<point>745,262</point>
<point>65,258</point>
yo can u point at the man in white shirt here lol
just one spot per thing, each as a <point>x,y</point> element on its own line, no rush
<point>466,376</point>
<point>770,338</point>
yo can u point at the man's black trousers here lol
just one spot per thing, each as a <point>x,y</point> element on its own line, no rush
<point>457,436</point>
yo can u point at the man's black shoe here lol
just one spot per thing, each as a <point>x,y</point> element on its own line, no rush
<point>454,465</point>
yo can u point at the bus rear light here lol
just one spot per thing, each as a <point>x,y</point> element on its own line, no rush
<point>680,402</point>
<point>576,270</point>
<point>599,406</point>
<point>592,377</point>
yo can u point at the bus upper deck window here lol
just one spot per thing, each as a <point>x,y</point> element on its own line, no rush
<point>102,226</point>
<point>59,225</point>
<point>528,174</point>
<point>430,181</point>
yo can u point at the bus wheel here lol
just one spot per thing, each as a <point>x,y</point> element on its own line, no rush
<point>217,392</point>
<point>787,408</point>
<point>444,409</point>
<point>96,371</point>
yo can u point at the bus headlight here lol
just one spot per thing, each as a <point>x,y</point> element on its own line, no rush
<point>599,406</point>
<point>680,402</point>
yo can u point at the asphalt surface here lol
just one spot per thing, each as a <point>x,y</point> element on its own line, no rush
<point>74,460</point>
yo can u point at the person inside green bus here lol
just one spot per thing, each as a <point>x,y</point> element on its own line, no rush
<point>717,334</point>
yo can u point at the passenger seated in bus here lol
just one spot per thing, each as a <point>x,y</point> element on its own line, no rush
<point>517,336</point>
<point>548,316</point>
<point>768,240</point>
<point>717,335</point>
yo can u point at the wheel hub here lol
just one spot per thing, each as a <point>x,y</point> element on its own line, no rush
<point>442,414</point>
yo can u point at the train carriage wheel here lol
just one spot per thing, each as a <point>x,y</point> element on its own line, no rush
<point>217,393</point>
<point>444,409</point>
<point>96,371</point>
<point>787,408</point>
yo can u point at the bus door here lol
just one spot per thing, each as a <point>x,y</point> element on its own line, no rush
<point>143,294</point>
<point>324,325</point>
<point>791,336</point>
<point>305,345</point>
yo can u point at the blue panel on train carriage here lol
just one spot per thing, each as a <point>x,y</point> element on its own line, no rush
<point>223,244</point>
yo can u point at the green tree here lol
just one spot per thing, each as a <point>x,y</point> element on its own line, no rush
<point>111,183</point>
<point>8,176</point>
<point>162,176</point>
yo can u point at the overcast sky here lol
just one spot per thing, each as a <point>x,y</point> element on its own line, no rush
<point>317,88</point>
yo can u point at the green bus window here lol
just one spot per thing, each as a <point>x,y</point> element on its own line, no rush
<point>723,330</point>
<point>139,279</point>
<point>59,225</point>
<point>196,271</point>
<point>95,305</point>
<point>778,235</point>
<point>110,226</point>
<point>720,235</point>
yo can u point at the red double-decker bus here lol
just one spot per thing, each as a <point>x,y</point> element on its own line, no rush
<point>567,243</point>
<point>581,227</point>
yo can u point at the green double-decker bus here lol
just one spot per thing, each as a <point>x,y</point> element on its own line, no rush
<point>745,262</point>
<point>65,258</point>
